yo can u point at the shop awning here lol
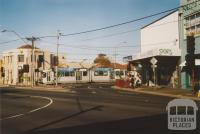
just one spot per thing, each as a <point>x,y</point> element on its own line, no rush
<point>197,63</point>
<point>168,52</point>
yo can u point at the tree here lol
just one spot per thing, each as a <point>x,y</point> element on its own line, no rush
<point>102,60</point>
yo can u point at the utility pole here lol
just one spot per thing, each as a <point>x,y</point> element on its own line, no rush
<point>115,57</point>
<point>115,52</point>
<point>58,36</point>
<point>32,39</point>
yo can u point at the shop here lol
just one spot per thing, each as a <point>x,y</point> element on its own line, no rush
<point>159,40</point>
<point>189,16</point>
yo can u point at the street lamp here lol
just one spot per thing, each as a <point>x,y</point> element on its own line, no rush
<point>57,46</point>
<point>12,31</point>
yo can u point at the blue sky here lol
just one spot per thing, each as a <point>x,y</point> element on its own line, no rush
<point>45,17</point>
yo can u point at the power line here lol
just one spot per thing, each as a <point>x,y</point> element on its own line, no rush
<point>94,48</point>
<point>105,36</point>
<point>116,25</point>
<point>9,41</point>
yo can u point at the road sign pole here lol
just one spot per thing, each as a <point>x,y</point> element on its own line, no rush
<point>153,62</point>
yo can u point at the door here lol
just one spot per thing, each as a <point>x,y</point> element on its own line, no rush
<point>78,75</point>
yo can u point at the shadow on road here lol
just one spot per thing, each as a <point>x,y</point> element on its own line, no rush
<point>7,91</point>
<point>98,108</point>
<point>155,124</point>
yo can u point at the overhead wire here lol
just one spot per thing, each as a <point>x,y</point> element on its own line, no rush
<point>116,25</point>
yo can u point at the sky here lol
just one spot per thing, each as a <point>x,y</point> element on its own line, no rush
<point>45,17</point>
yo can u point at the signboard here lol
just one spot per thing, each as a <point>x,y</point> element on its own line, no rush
<point>127,59</point>
<point>167,52</point>
<point>153,61</point>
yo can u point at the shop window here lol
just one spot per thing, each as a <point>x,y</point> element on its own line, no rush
<point>20,58</point>
<point>66,73</point>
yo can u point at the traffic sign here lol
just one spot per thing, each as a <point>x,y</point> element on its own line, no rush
<point>153,61</point>
<point>153,66</point>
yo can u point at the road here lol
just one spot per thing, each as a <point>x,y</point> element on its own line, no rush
<point>85,109</point>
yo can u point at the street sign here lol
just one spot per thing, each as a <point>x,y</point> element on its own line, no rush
<point>153,66</point>
<point>153,61</point>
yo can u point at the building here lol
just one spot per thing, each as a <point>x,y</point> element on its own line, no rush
<point>1,72</point>
<point>189,16</point>
<point>21,69</point>
<point>159,39</point>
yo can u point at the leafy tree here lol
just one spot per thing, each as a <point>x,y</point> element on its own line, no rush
<point>102,60</point>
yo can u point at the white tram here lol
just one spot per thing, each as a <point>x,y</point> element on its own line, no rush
<point>82,75</point>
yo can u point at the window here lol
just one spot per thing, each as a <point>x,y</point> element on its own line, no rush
<point>181,110</point>
<point>173,110</point>
<point>192,24</point>
<point>44,75</point>
<point>119,73</point>
<point>84,73</point>
<point>69,73</point>
<point>101,73</point>
<point>20,58</point>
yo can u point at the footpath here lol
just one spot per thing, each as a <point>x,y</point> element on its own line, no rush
<point>169,92</point>
<point>50,88</point>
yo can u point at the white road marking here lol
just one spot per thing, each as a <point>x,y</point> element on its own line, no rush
<point>14,116</point>
<point>47,98</point>
<point>34,110</point>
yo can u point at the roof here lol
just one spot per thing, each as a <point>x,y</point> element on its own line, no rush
<point>159,19</point>
<point>79,65</point>
<point>27,46</point>
<point>118,66</point>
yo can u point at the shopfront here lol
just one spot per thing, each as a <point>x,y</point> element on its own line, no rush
<point>167,67</point>
<point>189,16</point>
<point>159,39</point>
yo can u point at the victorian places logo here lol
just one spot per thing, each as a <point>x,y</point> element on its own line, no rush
<point>182,114</point>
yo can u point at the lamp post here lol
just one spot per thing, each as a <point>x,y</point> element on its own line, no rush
<point>12,31</point>
<point>57,46</point>
<point>33,39</point>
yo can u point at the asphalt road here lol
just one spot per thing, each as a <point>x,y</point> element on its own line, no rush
<point>85,109</point>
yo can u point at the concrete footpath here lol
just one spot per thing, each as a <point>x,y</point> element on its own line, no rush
<point>169,92</point>
<point>40,88</point>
